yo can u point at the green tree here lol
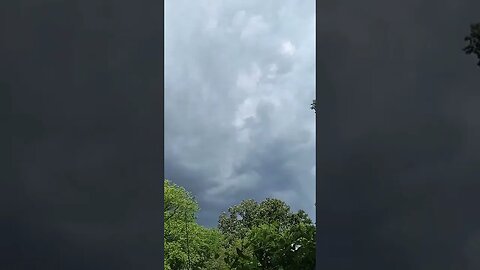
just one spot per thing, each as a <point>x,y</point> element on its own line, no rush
<point>473,46</point>
<point>267,235</point>
<point>288,249</point>
<point>251,236</point>
<point>188,245</point>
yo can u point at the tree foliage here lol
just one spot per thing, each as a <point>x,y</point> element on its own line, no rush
<point>473,40</point>
<point>268,235</point>
<point>251,236</point>
<point>187,245</point>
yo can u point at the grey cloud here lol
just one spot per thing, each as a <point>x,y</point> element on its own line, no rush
<point>228,89</point>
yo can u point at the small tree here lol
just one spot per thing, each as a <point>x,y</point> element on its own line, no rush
<point>473,46</point>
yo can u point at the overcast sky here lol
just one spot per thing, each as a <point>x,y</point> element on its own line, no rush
<point>239,81</point>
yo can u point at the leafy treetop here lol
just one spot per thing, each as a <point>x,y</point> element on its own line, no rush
<point>473,46</point>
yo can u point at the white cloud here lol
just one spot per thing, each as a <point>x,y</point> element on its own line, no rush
<point>287,48</point>
<point>255,26</point>
<point>239,18</point>
<point>211,24</point>
<point>248,81</point>
<point>246,110</point>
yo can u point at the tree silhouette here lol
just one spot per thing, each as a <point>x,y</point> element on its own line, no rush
<point>313,106</point>
<point>473,40</point>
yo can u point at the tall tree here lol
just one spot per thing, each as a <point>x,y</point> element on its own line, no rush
<point>188,245</point>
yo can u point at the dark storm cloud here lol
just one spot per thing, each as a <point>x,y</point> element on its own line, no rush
<point>399,164</point>
<point>85,86</point>
<point>239,79</point>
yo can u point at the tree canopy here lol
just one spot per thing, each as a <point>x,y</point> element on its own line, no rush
<point>187,245</point>
<point>267,235</point>
<point>252,235</point>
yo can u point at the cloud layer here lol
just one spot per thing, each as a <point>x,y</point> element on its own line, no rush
<point>239,78</point>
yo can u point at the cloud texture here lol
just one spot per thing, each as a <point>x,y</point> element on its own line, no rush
<point>239,79</point>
